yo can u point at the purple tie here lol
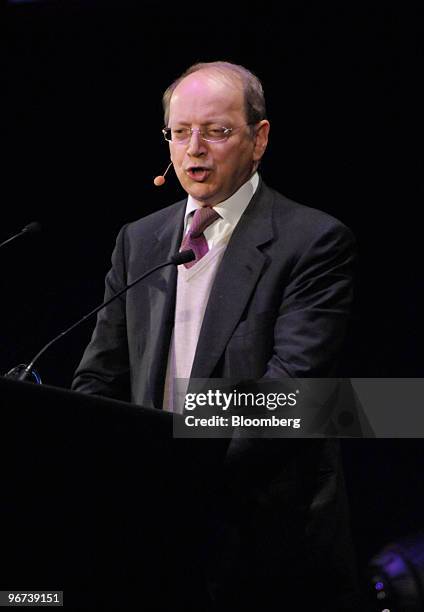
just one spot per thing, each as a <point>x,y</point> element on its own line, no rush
<point>195,238</point>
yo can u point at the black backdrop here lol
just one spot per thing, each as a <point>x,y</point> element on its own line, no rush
<point>83,143</point>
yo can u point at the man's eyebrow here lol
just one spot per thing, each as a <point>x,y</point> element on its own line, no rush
<point>221,122</point>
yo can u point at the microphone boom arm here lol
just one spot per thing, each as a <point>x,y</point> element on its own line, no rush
<point>23,374</point>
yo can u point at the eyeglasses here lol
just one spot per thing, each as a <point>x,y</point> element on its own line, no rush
<point>182,135</point>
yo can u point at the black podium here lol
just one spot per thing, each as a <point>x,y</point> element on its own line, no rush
<point>99,501</point>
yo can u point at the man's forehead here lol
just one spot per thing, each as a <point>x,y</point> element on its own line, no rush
<point>208,87</point>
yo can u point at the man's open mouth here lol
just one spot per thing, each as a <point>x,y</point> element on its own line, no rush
<point>198,173</point>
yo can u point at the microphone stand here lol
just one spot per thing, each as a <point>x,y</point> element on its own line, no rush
<point>31,228</point>
<point>23,372</point>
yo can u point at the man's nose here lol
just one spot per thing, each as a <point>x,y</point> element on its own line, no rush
<point>196,145</point>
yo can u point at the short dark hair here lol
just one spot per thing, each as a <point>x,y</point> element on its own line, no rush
<point>254,99</point>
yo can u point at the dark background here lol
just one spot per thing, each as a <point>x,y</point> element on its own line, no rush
<point>82,144</point>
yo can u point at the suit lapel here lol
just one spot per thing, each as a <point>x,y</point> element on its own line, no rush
<point>235,281</point>
<point>162,291</point>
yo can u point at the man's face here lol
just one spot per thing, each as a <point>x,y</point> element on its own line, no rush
<point>212,172</point>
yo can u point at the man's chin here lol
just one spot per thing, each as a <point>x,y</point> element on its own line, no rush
<point>205,197</point>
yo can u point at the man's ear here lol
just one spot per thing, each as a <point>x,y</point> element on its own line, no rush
<point>261,139</point>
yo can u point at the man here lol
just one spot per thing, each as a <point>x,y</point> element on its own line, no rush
<point>267,297</point>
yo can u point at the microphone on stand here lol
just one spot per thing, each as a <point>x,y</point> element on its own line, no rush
<point>32,228</point>
<point>160,180</point>
<point>22,371</point>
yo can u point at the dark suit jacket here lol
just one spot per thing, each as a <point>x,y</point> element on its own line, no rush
<point>278,308</point>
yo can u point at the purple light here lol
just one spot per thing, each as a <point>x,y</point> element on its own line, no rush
<point>379,586</point>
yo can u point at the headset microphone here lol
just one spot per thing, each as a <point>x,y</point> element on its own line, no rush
<point>160,180</point>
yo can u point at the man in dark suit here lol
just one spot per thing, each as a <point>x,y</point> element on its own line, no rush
<point>267,297</point>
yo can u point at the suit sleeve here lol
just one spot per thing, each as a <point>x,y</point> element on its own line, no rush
<point>315,307</point>
<point>104,368</point>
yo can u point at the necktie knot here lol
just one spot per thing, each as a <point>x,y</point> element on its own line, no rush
<point>195,239</point>
<point>202,218</point>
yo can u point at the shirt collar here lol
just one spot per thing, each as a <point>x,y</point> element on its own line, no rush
<point>233,207</point>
